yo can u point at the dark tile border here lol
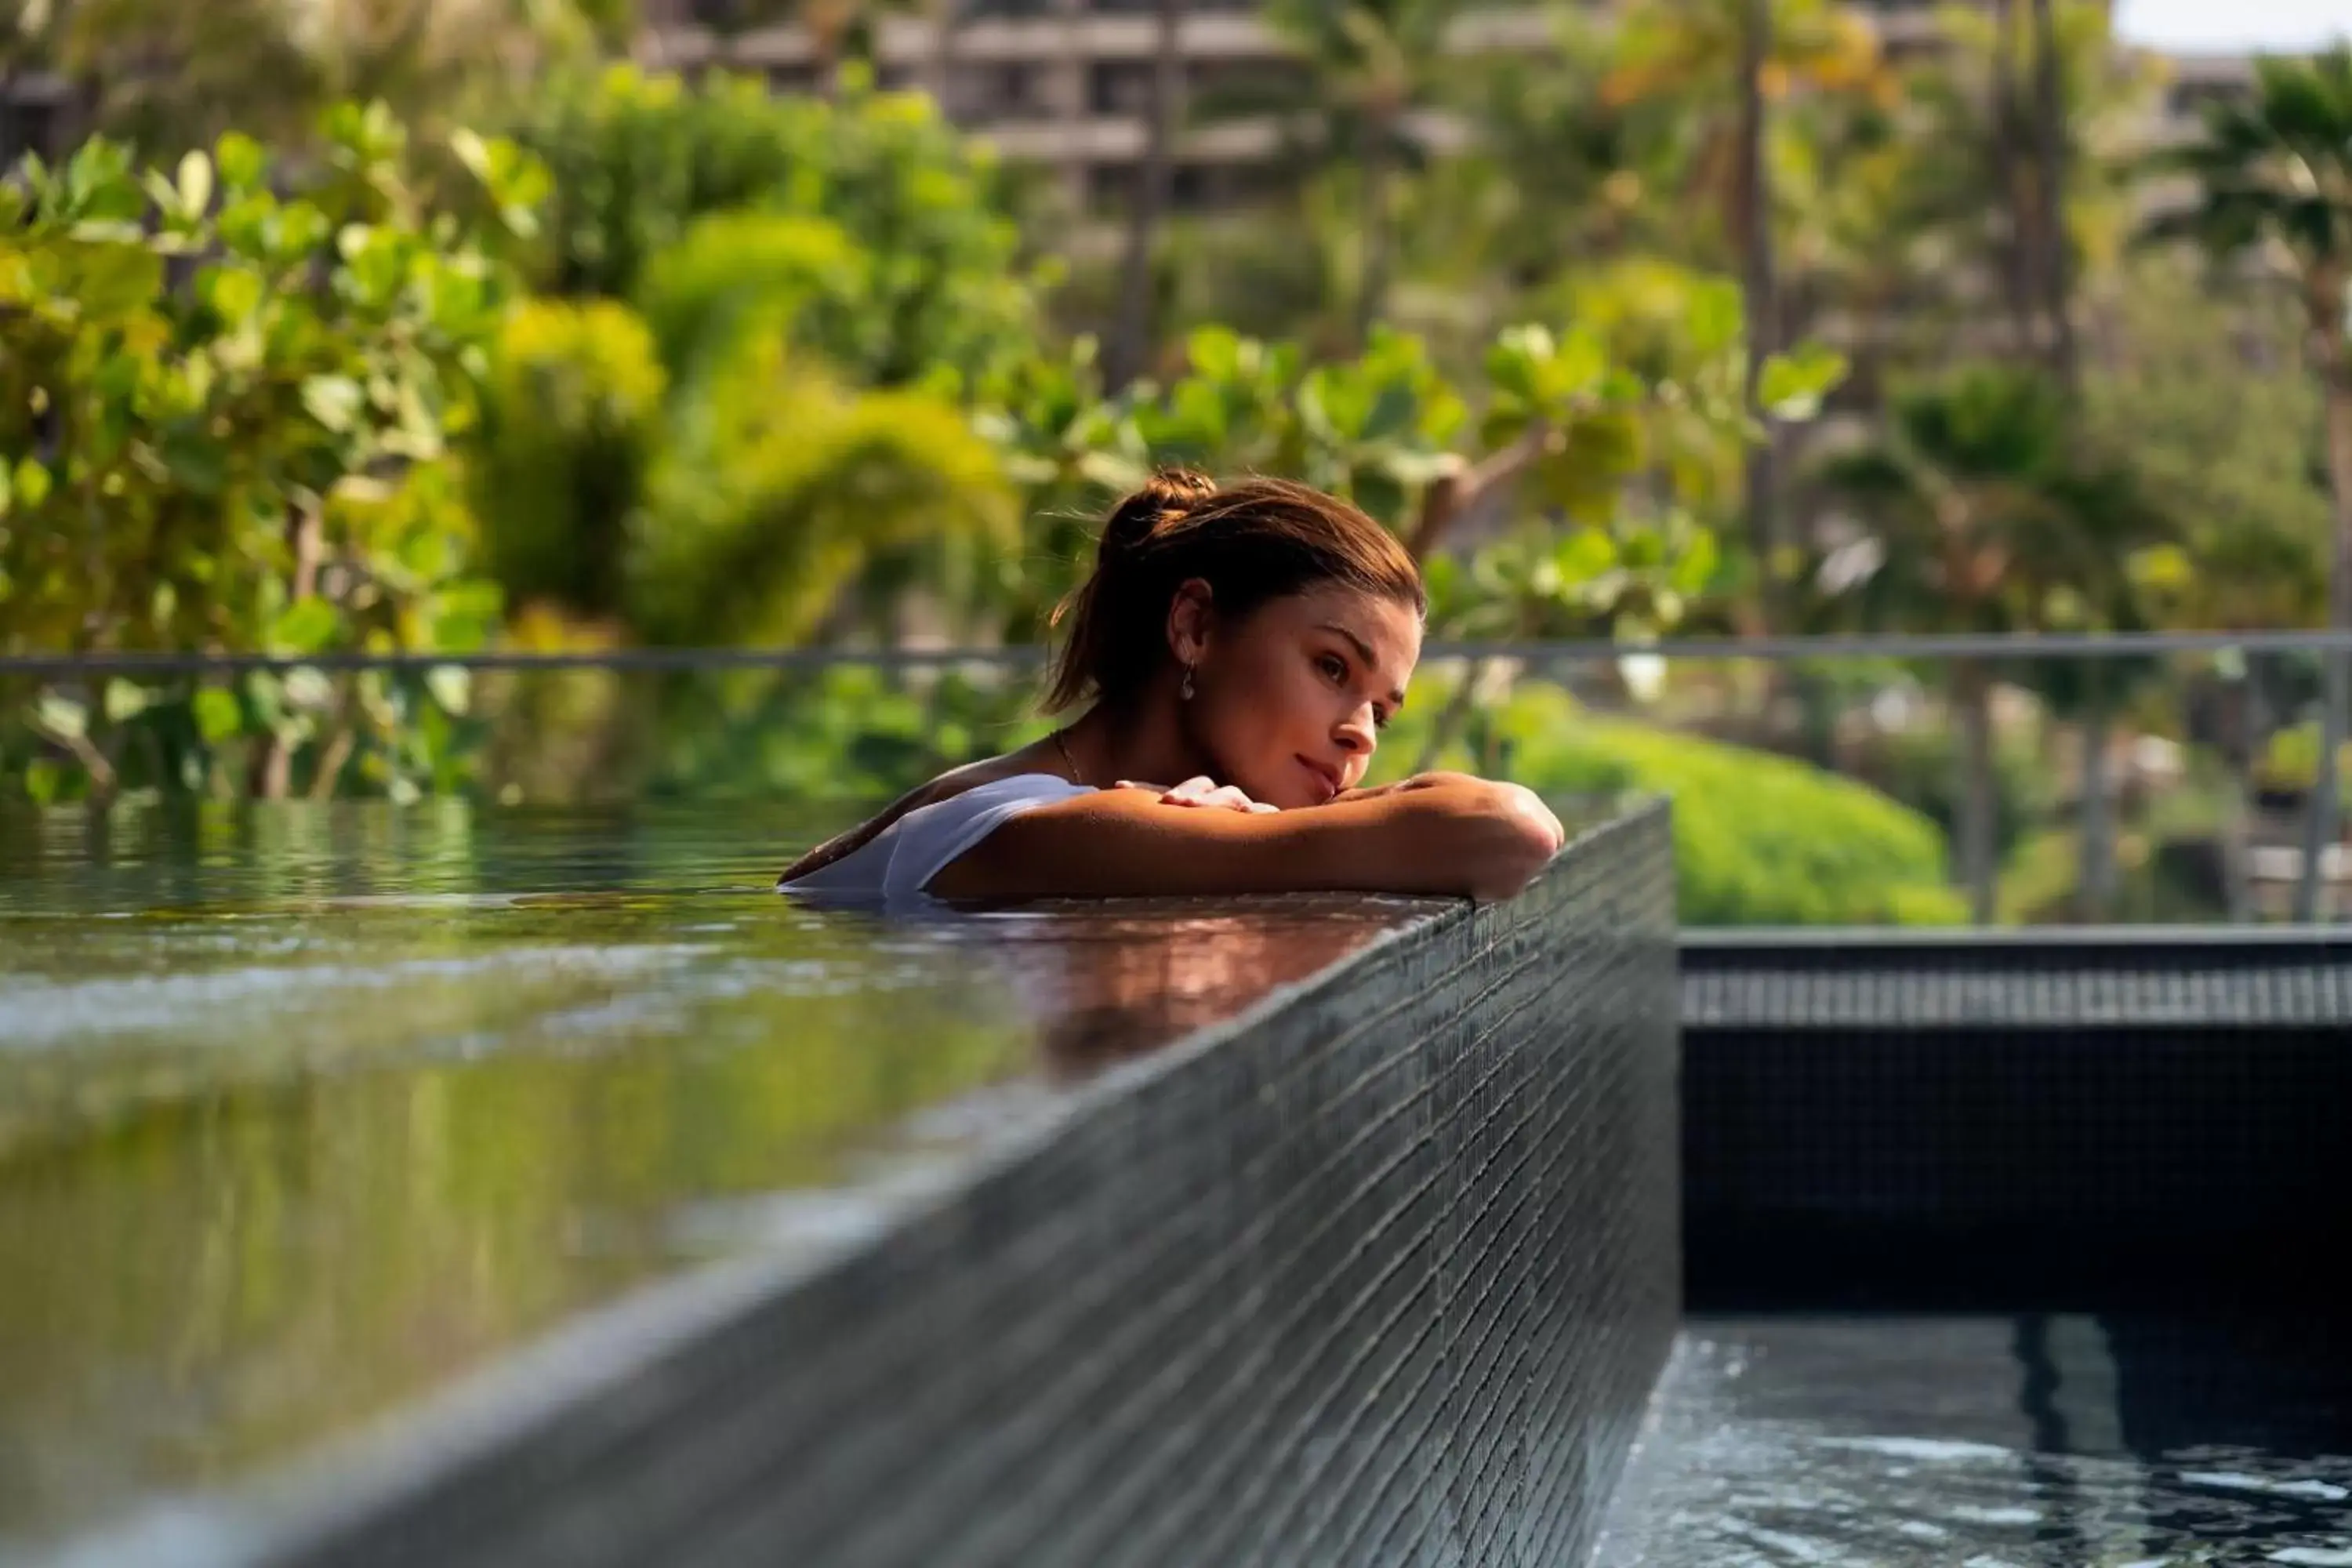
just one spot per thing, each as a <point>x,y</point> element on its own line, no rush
<point>1953,1121</point>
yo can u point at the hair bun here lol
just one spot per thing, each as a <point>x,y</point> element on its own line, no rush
<point>1165,498</point>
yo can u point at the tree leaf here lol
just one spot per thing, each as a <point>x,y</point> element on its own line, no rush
<point>218,715</point>
<point>452,686</point>
<point>240,160</point>
<point>195,184</point>
<point>61,716</point>
<point>125,700</point>
<point>32,483</point>
<point>1792,385</point>
<point>334,401</point>
<point>306,625</point>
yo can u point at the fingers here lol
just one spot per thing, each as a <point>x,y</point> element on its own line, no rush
<point>1204,790</point>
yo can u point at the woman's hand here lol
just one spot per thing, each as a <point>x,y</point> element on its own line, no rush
<point>1202,791</point>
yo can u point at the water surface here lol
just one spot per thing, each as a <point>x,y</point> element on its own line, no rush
<point>2054,1440</point>
<point>306,1111</point>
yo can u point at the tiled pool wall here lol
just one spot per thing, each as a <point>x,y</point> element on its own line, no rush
<point>2082,1119</point>
<point>1383,1271</point>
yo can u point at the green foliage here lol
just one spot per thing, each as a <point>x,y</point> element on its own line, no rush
<point>232,409</point>
<point>932,285</point>
<point>778,484</point>
<point>2204,401</point>
<point>1376,429</point>
<point>2270,166</point>
<point>852,734</point>
<point>1991,509</point>
<point>1921,768</point>
<point>735,277</point>
<point>572,421</point>
<point>1758,840</point>
<point>1598,452</point>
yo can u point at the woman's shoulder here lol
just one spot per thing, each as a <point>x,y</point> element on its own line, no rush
<point>1001,771</point>
<point>1020,765</point>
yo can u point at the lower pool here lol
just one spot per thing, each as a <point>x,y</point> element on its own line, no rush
<point>2021,1441</point>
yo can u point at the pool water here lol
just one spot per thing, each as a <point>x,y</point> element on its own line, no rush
<point>305,1110</point>
<point>2060,1440</point>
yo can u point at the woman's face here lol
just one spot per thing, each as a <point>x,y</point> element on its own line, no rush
<point>1290,700</point>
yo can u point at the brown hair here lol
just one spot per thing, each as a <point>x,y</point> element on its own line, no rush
<point>1251,541</point>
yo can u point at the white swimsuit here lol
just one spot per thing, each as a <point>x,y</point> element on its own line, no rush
<point>900,861</point>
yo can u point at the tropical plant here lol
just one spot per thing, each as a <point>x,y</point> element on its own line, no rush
<point>1559,171</point>
<point>2021,172</point>
<point>2272,178</point>
<point>232,415</point>
<point>1695,56</point>
<point>1131,330</point>
<point>931,287</point>
<point>1984,510</point>
<point>164,75</point>
<point>1375,69</point>
<point>1758,840</point>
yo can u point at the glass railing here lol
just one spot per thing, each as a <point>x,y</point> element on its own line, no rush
<point>1841,781</point>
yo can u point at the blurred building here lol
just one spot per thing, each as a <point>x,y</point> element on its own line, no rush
<point>1067,84</point>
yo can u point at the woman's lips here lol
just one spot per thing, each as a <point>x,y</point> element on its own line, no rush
<point>1329,777</point>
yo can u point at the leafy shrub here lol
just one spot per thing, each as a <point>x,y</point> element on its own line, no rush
<point>229,400</point>
<point>571,415</point>
<point>1922,768</point>
<point>639,159</point>
<point>778,485</point>
<point>740,275</point>
<point>1758,840</point>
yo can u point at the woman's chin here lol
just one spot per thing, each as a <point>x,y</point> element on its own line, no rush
<point>1286,795</point>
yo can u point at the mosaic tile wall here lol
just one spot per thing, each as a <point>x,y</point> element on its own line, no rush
<point>1383,1273</point>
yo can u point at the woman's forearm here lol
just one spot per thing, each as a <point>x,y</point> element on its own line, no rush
<point>1450,837</point>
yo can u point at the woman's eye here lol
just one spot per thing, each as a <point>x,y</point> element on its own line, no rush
<point>1332,665</point>
<point>1380,720</point>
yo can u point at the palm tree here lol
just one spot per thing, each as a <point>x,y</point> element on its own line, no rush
<point>1695,54</point>
<point>1989,513</point>
<point>1374,66</point>
<point>2008,177</point>
<point>1752,222</point>
<point>1556,177</point>
<point>2050,142</point>
<point>1130,343</point>
<point>2273,178</point>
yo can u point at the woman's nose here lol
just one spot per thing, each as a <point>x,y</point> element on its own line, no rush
<point>1356,732</point>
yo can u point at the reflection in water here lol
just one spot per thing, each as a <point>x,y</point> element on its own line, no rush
<point>303,1111</point>
<point>2050,1441</point>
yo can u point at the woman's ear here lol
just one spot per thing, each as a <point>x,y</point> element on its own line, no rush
<point>1192,616</point>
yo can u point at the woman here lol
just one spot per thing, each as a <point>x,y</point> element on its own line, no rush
<point>1251,641</point>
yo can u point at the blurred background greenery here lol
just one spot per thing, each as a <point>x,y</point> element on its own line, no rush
<point>458,327</point>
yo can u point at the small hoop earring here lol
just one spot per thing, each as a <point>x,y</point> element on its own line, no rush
<point>1185,690</point>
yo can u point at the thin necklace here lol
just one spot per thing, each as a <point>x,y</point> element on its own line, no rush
<point>1068,761</point>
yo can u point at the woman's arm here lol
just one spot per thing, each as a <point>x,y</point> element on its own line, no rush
<point>1418,781</point>
<point>1455,836</point>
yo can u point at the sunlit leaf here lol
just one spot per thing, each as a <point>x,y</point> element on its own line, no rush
<point>218,715</point>
<point>125,700</point>
<point>1792,385</point>
<point>306,625</point>
<point>195,184</point>
<point>451,686</point>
